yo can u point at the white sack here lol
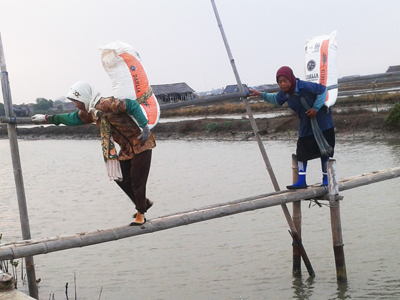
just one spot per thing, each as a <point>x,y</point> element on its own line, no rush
<point>320,65</point>
<point>122,80</point>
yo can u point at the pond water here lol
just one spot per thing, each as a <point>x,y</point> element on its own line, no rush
<point>244,256</point>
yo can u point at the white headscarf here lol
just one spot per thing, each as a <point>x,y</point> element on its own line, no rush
<point>81,91</point>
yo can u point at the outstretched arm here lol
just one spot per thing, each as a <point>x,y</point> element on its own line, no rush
<point>70,119</point>
<point>268,97</point>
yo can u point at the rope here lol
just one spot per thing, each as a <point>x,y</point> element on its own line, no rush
<point>145,96</point>
<point>324,147</point>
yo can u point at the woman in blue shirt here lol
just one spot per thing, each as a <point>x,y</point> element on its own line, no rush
<point>292,90</point>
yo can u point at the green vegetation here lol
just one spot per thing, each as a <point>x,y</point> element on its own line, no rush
<point>219,126</point>
<point>227,126</point>
<point>212,127</point>
<point>393,118</point>
<point>42,105</point>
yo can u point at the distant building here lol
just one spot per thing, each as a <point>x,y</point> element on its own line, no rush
<point>69,105</point>
<point>234,88</point>
<point>345,79</point>
<point>21,110</point>
<point>393,69</point>
<point>174,92</point>
<point>270,88</point>
<point>61,99</point>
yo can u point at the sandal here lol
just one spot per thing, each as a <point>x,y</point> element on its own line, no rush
<point>149,204</point>
<point>138,224</point>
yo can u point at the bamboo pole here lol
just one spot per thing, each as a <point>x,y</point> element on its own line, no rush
<point>16,120</point>
<point>336,224</point>
<point>296,271</point>
<point>47,245</point>
<point>298,243</point>
<point>23,210</point>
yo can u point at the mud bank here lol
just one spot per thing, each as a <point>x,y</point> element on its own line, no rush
<point>351,126</point>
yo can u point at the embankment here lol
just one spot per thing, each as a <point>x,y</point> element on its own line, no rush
<point>356,125</point>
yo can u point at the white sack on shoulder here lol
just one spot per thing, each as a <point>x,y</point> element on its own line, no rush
<point>128,78</point>
<point>320,63</point>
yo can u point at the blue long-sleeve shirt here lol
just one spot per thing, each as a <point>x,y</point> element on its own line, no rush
<point>315,95</point>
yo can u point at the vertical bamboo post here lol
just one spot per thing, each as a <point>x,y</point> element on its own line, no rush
<point>293,231</point>
<point>336,225</point>
<point>296,220</point>
<point>19,183</point>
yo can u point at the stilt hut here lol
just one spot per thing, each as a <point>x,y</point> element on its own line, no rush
<point>174,92</point>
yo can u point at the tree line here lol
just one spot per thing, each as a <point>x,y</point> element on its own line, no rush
<point>42,105</point>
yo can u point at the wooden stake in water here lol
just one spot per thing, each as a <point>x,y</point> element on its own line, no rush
<point>286,212</point>
<point>23,210</point>
<point>336,225</point>
<point>296,271</point>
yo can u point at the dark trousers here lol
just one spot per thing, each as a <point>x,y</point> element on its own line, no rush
<point>307,147</point>
<point>135,172</point>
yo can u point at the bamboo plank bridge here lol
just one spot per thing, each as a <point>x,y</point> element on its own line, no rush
<point>21,249</point>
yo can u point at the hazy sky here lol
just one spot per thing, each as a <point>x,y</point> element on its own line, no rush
<point>50,44</point>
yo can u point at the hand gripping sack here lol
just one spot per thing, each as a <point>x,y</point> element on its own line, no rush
<point>128,78</point>
<point>321,64</point>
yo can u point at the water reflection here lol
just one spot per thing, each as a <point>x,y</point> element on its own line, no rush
<point>303,290</point>
<point>342,291</point>
<point>306,290</point>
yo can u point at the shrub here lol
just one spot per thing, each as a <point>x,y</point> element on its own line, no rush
<point>211,127</point>
<point>393,118</point>
<point>227,124</point>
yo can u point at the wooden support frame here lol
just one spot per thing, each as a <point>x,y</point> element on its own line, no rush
<point>336,225</point>
<point>296,205</point>
<point>19,183</point>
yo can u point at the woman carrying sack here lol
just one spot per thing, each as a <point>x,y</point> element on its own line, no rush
<point>316,134</point>
<point>122,121</point>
